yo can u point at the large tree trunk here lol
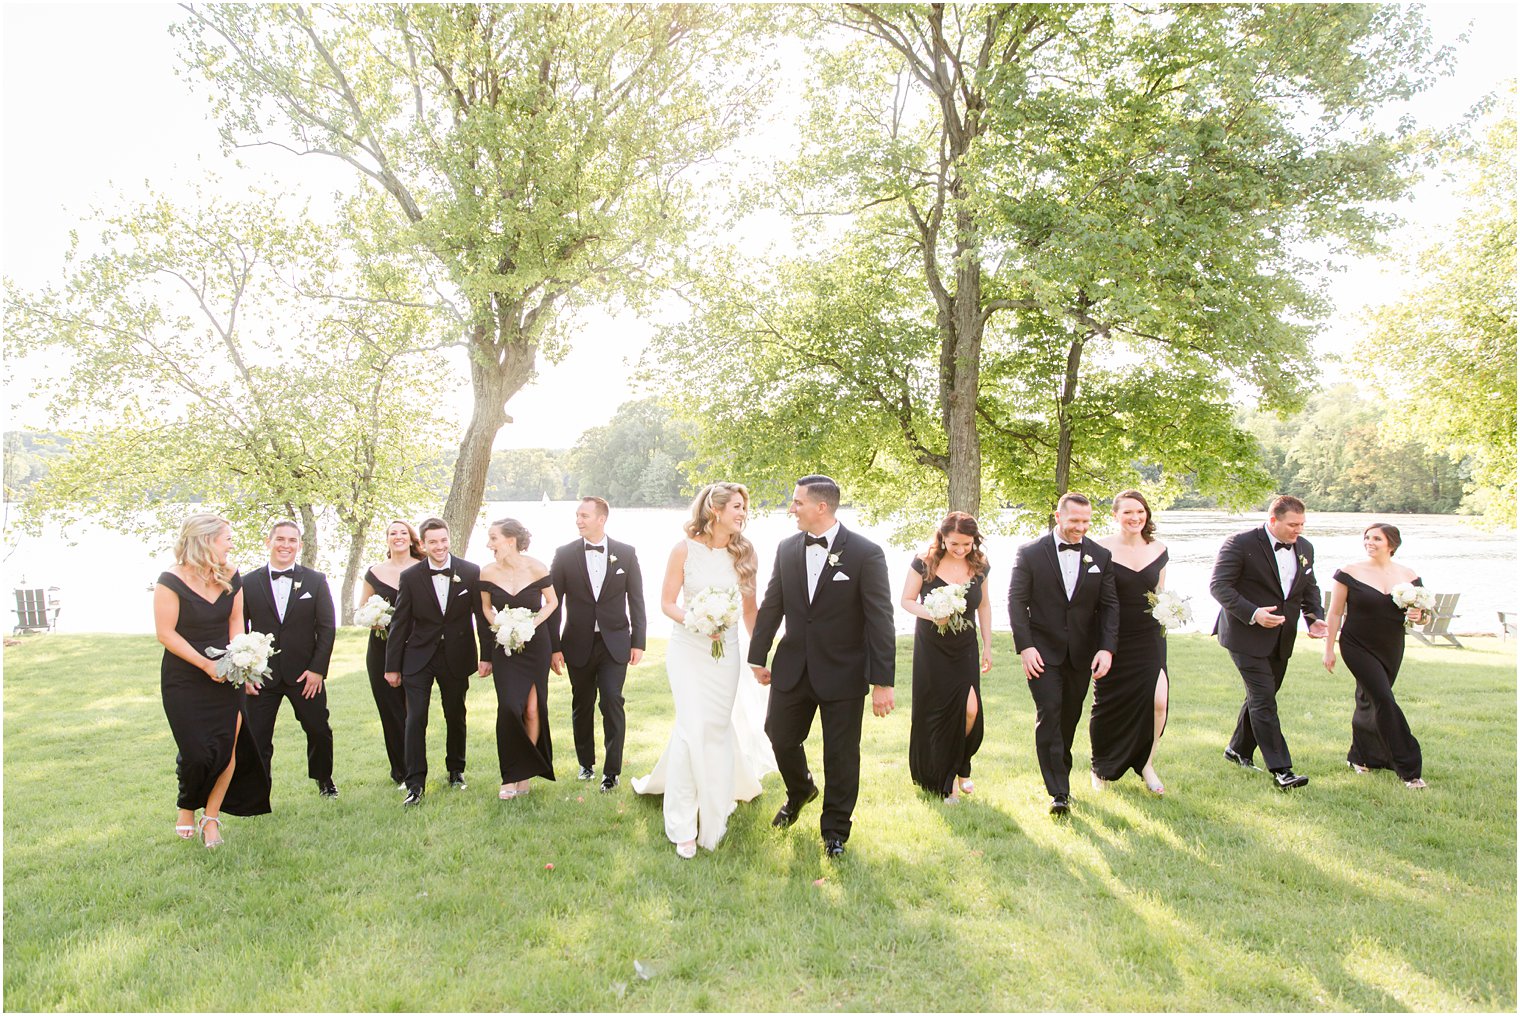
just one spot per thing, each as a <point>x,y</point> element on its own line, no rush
<point>309,536</point>
<point>356,542</point>
<point>963,438</point>
<point>1063,416</point>
<point>498,371</point>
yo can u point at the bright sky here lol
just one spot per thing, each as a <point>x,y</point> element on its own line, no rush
<point>94,112</point>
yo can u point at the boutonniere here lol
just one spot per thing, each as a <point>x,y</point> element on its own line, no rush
<point>1303,560</point>
<point>1087,559</point>
<point>456,578</point>
<point>834,560</point>
<point>295,585</point>
<point>612,559</point>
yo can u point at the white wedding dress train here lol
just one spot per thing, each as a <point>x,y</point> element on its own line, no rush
<point>718,750</point>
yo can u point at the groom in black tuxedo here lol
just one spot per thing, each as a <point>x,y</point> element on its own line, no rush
<point>830,586</point>
<point>601,595</point>
<point>1065,613</point>
<point>1262,578</point>
<point>432,639</point>
<point>294,605</point>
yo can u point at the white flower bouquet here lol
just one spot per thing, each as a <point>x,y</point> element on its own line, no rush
<point>514,628</point>
<point>1407,595</point>
<point>245,659</point>
<point>375,613</point>
<point>1170,610</point>
<point>712,611</point>
<point>949,602</point>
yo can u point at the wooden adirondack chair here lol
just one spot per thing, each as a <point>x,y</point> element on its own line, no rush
<point>32,611</point>
<point>1506,625</point>
<point>1440,622</point>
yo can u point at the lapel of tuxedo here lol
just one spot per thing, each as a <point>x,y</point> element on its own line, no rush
<point>1053,559</point>
<point>262,586</point>
<point>826,575</point>
<point>1264,541</point>
<point>1082,566</point>
<point>794,572</point>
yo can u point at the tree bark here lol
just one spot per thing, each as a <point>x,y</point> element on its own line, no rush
<point>1063,415</point>
<point>309,536</point>
<point>356,541</point>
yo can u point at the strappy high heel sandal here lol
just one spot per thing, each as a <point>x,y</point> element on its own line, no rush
<point>186,832</point>
<point>211,844</point>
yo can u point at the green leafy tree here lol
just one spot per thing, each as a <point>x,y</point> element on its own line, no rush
<point>539,154</point>
<point>197,365</point>
<point>1090,221</point>
<point>526,474</point>
<point>634,459</point>
<point>1446,348</point>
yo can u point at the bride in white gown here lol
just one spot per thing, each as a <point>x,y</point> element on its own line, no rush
<point>718,750</point>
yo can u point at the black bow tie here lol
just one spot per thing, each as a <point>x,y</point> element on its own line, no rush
<point>1069,546</point>
<point>1281,546</point>
<point>287,574</point>
<point>809,540</point>
<point>597,547</point>
<point>440,571</point>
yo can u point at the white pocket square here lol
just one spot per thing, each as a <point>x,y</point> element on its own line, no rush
<point>305,596</point>
<point>620,572</point>
<point>840,576</point>
<point>1094,568</point>
<point>464,592</point>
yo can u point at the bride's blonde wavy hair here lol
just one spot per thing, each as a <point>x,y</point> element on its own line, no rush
<point>193,549</point>
<point>710,501</point>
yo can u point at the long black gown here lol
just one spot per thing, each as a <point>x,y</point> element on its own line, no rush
<point>514,676</point>
<point>1122,726</point>
<point>390,702</point>
<point>1372,644</point>
<point>946,670</point>
<point>203,713</point>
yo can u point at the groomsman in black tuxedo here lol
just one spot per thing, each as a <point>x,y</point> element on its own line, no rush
<point>293,604</point>
<point>432,638</point>
<point>830,586</point>
<point>1262,578</point>
<point>1065,614</point>
<point>601,595</point>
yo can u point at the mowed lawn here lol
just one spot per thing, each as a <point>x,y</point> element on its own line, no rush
<point>1353,893</point>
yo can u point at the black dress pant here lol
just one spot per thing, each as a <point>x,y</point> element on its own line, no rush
<point>1257,723</point>
<point>1059,693</point>
<point>391,704</point>
<point>602,676</point>
<point>264,709</point>
<point>419,698</point>
<point>787,723</point>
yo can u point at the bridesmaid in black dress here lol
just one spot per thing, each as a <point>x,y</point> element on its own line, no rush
<point>1129,704</point>
<point>1371,628</point>
<point>384,580</point>
<point>198,604</point>
<point>513,579</point>
<point>946,728</point>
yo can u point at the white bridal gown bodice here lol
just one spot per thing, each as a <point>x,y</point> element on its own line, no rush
<point>718,750</point>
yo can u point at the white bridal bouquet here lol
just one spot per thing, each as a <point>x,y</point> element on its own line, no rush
<point>949,602</point>
<point>1170,610</point>
<point>245,659</point>
<point>713,611</point>
<point>1406,595</point>
<point>375,612</point>
<point>514,628</point>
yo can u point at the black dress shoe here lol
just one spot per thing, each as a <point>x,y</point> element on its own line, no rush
<point>327,788</point>
<point>413,798</point>
<point>787,814</point>
<point>456,781</point>
<point>833,848</point>
<point>1288,779</point>
<point>1060,804</point>
<point>1231,755</point>
<point>609,781</point>
<point>586,774</point>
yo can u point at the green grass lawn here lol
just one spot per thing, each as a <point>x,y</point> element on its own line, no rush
<point>1353,893</point>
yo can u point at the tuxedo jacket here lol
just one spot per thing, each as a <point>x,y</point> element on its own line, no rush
<point>304,640</point>
<point>844,639</point>
<point>1245,578</point>
<point>617,613</point>
<point>418,626</point>
<point>1044,618</point>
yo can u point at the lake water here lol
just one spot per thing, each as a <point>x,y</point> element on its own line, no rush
<point>104,579</point>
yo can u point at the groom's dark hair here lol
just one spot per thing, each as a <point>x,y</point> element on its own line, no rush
<point>428,525</point>
<point>821,488</point>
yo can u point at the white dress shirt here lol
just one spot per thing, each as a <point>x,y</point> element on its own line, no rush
<point>817,557</point>
<point>596,569</point>
<point>441,586</point>
<point>1069,560</point>
<point>281,588</point>
<point>1287,564</point>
